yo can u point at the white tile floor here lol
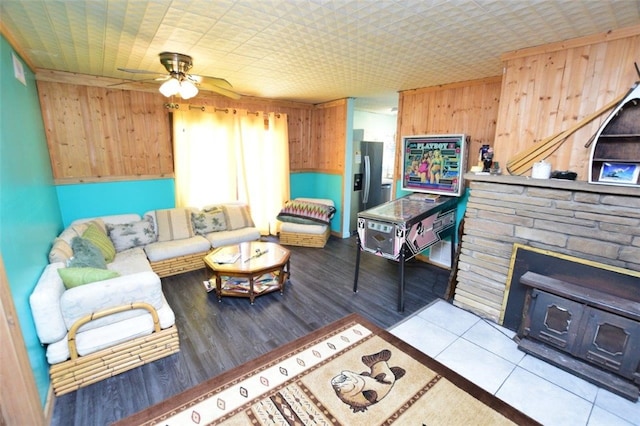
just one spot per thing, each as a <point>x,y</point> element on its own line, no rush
<point>486,354</point>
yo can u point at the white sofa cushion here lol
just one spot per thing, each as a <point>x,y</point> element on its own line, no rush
<point>300,228</point>
<point>45,305</point>
<point>162,250</point>
<point>224,238</point>
<point>130,261</point>
<point>80,301</point>
<point>94,339</point>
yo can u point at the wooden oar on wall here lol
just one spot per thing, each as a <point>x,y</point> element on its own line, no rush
<point>524,160</point>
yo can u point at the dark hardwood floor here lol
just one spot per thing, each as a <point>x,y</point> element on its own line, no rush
<point>216,336</point>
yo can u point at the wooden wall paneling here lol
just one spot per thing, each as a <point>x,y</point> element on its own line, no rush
<point>120,118</point>
<point>576,89</point>
<point>321,120</point>
<point>548,89</point>
<point>465,107</point>
<point>111,104</point>
<point>337,152</point>
<point>49,110</point>
<point>120,147</point>
<point>299,140</point>
<point>95,112</point>
<point>74,138</point>
<point>329,136</point>
<point>150,121</point>
<point>95,133</point>
<point>128,127</point>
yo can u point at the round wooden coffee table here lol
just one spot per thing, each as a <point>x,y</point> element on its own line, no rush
<point>248,269</point>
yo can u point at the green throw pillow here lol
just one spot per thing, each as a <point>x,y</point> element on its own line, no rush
<point>100,240</point>
<point>74,277</point>
<point>86,254</point>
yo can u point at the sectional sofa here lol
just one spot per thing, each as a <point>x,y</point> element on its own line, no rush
<point>98,306</point>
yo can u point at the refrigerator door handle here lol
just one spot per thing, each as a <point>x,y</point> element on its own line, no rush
<point>367,180</point>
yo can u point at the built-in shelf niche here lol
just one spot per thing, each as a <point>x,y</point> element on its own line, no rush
<point>615,152</point>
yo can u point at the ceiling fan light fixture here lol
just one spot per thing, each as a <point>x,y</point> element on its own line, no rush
<point>170,87</point>
<point>180,82</point>
<point>187,89</point>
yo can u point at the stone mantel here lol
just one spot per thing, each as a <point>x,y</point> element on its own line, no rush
<point>559,184</point>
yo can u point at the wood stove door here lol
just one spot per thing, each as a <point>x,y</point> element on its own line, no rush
<point>612,342</point>
<point>554,320</point>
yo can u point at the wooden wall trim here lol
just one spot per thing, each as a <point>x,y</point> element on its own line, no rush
<point>19,398</point>
<point>121,84</point>
<point>99,179</point>
<point>316,170</point>
<point>456,85</point>
<point>93,80</point>
<point>331,104</point>
<point>573,43</point>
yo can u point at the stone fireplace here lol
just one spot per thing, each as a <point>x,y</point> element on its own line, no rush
<point>528,251</point>
<point>600,223</point>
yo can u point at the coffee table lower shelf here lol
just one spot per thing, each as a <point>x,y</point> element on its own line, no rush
<point>240,287</point>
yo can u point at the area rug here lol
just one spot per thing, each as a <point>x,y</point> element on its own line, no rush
<point>350,372</point>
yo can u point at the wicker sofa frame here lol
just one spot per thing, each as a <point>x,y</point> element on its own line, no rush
<point>80,371</point>
<point>179,265</point>
<point>305,240</point>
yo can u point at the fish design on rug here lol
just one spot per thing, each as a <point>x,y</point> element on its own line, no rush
<point>359,391</point>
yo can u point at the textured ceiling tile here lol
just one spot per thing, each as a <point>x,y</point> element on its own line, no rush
<point>311,50</point>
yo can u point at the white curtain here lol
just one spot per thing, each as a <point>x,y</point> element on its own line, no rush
<point>265,166</point>
<point>232,155</point>
<point>204,157</point>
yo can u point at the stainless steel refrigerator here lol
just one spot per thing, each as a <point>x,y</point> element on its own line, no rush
<point>367,188</point>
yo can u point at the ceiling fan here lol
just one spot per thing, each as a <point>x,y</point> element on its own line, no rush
<point>180,82</point>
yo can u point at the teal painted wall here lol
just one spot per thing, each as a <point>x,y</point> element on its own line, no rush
<point>29,213</point>
<point>319,185</point>
<point>108,198</point>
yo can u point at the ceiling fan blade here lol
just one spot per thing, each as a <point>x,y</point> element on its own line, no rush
<point>221,90</point>
<point>135,71</point>
<point>203,79</point>
<point>127,81</point>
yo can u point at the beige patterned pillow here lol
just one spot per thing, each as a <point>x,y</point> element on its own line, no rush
<point>237,216</point>
<point>134,234</point>
<point>174,224</point>
<point>60,252</point>
<point>205,222</point>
